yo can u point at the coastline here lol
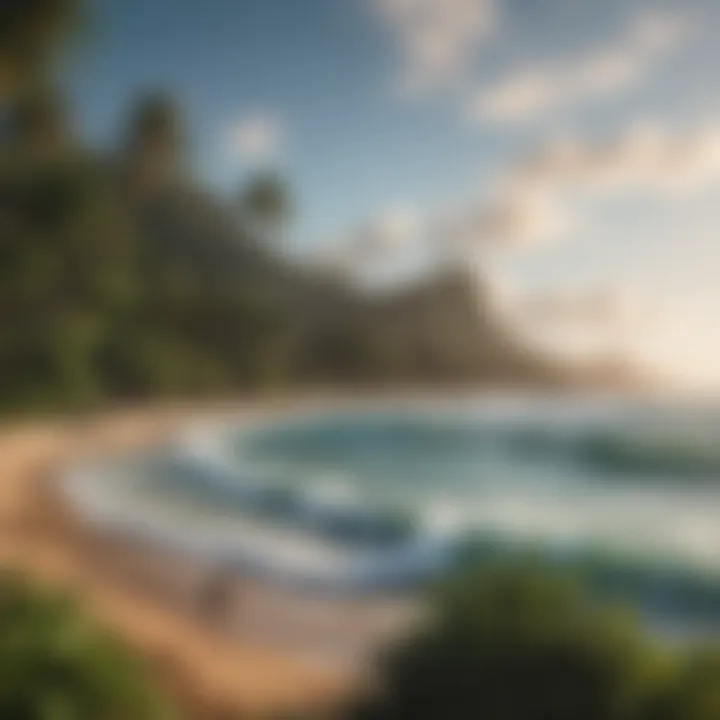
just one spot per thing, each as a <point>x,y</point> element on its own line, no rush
<point>147,594</point>
<point>142,593</point>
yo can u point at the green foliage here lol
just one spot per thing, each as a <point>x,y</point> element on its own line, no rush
<point>521,643</point>
<point>121,277</point>
<point>118,284</point>
<point>153,144</point>
<point>30,33</point>
<point>56,665</point>
<point>693,693</point>
<point>266,206</point>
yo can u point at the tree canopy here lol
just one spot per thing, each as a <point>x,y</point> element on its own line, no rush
<point>55,664</point>
<point>31,33</point>
<point>520,642</point>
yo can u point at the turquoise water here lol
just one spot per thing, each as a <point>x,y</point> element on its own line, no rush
<point>627,492</point>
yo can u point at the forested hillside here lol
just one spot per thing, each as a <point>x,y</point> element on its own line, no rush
<point>123,277</point>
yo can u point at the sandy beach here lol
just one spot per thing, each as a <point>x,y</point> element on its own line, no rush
<point>148,597</point>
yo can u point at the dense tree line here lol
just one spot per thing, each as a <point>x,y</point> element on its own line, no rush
<point>122,277</point>
<point>116,272</point>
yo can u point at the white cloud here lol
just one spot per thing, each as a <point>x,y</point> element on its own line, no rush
<point>514,216</point>
<point>390,232</point>
<point>644,159</point>
<point>437,39</point>
<point>395,228</point>
<point>536,202</point>
<point>659,32</point>
<point>533,203</point>
<point>257,138</point>
<point>536,91</point>
<point>517,97</point>
<point>523,218</point>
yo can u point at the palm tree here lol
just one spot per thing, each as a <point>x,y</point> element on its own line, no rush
<point>154,144</point>
<point>266,208</point>
<point>31,34</point>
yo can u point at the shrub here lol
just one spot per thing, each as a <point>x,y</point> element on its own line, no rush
<point>57,665</point>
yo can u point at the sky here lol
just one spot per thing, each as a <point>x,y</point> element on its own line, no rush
<point>568,148</point>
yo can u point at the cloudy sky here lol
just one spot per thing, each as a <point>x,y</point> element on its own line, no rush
<point>570,146</point>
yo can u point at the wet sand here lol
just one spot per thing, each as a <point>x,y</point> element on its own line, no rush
<point>270,652</point>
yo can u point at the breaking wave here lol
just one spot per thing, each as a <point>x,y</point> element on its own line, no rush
<point>368,500</point>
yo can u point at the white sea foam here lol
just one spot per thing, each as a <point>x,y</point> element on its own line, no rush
<point>568,506</point>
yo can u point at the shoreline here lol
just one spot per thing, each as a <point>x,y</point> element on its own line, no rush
<point>256,666</point>
<point>142,593</point>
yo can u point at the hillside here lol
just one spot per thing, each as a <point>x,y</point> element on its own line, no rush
<point>123,277</point>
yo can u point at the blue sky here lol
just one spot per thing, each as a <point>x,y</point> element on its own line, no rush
<point>400,121</point>
<point>321,66</point>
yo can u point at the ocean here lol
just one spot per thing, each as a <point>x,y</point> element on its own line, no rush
<point>388,497</point>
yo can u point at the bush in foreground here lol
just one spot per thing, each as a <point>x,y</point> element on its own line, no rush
<point>56,665</point>
<point>518,643</point>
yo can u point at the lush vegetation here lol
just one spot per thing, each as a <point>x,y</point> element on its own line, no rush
<point>519,642</point>
<point>33,34</point>
<point>56,665</point>
<point>110,272</point>
<point>121,276</point>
